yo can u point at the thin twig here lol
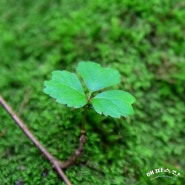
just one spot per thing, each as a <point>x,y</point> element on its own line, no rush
<point>56,164</point>
<point>77,152</point>
<point>82,141</point>
<point>24,102</point>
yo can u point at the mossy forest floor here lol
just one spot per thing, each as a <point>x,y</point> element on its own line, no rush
<point>143,40</point>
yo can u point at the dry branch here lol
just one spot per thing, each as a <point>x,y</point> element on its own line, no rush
<point>55,163</point>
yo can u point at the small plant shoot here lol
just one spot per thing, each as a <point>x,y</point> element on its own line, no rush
<point>82,90</point>
<point>67,89</point>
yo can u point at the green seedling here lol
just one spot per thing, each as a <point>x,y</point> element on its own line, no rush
<point>67,88</point>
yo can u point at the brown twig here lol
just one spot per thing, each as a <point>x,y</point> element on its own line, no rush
<point>24,102</point>
<point>82,141</point>
<point>55,163</point>
<point>77,152</point>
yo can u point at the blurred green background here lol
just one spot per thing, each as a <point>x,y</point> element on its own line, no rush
<point>143,40</point>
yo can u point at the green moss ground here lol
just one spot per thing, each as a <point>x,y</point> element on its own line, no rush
<point>144,40</point>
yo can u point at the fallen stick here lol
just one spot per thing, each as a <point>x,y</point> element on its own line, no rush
<point>55,163</point>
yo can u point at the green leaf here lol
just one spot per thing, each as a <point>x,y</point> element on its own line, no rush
<point>97,77</point>
<point>115,103</point>
<point>66,88</point>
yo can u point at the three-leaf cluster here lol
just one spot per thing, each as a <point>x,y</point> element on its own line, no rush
<point>67,89</point>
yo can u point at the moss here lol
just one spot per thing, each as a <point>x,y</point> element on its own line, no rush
<point>144,41</point>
